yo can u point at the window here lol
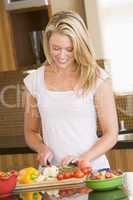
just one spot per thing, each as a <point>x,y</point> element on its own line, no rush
<point>116,22</point>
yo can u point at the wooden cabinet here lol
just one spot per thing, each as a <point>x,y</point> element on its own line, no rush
<point>121,159</point>
<point>7,59</point>
<point>15,27</point>
<point>23,24</point>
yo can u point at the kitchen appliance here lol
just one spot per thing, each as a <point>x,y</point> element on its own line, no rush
<point>23,4</point>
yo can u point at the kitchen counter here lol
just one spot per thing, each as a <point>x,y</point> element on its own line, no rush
<point>125,140</point>
<point>77,192</point>
<point>124,145</point>
<point>14,145</point>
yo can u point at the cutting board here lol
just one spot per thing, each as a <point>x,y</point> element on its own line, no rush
<point>50,184</point>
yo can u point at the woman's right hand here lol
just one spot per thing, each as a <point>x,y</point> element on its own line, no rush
<point>45,155</point>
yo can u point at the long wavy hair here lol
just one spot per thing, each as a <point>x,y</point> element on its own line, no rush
<point>71,24</point>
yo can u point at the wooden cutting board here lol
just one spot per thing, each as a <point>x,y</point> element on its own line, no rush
<point>50,184</point>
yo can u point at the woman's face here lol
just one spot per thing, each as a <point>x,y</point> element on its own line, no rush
<point>61,50</point>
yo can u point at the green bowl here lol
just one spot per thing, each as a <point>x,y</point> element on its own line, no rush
<point>105,184</point>
<point>118,193</point>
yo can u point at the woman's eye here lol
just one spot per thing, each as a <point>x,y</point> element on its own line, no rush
<point>70,49</point>
<point>55,48</point>
<point>65,49</point>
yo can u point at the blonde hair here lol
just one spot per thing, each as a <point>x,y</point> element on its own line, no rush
<point>71,24</point>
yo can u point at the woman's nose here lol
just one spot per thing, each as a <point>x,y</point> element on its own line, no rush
<point>62,52</point>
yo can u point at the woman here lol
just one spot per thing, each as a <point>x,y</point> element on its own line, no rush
<point>66,95</point>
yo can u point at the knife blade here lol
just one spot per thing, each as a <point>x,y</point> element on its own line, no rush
<point>42,167</point>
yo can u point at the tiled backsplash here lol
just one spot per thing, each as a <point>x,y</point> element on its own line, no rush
<point>124,106</point>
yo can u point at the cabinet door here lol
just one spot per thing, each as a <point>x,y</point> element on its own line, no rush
<point>7,61</point>
<point>121,159</point>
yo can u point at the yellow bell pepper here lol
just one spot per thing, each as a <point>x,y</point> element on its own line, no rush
<point>31,196</point>
<point>27,175</point>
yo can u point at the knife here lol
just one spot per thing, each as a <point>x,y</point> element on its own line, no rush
<point>42,167</point>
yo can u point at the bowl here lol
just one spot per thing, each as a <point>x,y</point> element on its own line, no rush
<point>7,182</point>
<point>105,184</point>
<point>117,193</point>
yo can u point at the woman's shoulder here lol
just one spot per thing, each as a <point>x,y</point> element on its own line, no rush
<point>102,74</point>
<point>41,69</point>
<point>35,72</point>
<point>32,80</point>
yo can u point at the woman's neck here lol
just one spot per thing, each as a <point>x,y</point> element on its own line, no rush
<point>62,71</point>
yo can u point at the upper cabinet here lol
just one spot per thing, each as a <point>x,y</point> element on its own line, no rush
<point>27,36</point>
<point>19,36</point>
<point>7,60</point>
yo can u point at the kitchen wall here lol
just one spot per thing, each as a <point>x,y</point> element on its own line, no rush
<point>93,24</point>
<point>75,5</point>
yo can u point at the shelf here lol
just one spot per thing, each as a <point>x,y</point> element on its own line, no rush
<point>22,24</point>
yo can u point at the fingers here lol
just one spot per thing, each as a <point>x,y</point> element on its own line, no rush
<point>69,159</point>
<point>45,157</point>
<point>40,158</point>
<point>49,161</point>
<point>83,164</point>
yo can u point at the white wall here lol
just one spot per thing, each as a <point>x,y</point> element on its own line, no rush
<point>93,23</point>
<point>75,5</point>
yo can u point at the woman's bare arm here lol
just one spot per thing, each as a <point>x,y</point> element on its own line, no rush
<point>32,124</point>
<point>107,116</point>
<point>106,112</point>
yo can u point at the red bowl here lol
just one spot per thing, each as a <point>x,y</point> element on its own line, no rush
<point>8,183</point>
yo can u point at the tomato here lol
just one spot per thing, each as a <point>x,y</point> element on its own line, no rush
<point>99,176</point>
<point>83,164</point>
<point>108,175</point>
<point>70,191</point>
<point>2,173</point>
<point>67,174</point>
<point>116,173</point>
<point>86,171</point>
<point>78,173</point>
<point>84,190</point>
<point>72,173</point>
<point>7,175</point>
<point>63,193</point>
<point>60,176</point>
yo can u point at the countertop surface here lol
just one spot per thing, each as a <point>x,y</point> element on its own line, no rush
<point>124,192</point>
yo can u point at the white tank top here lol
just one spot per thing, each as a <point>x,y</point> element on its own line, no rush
<point>68,120</point>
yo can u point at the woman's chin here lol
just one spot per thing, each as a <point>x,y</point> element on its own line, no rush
<point>62,65</point>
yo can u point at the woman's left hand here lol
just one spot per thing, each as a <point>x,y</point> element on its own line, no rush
<point>69,159</point>
<point>73,159</point>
